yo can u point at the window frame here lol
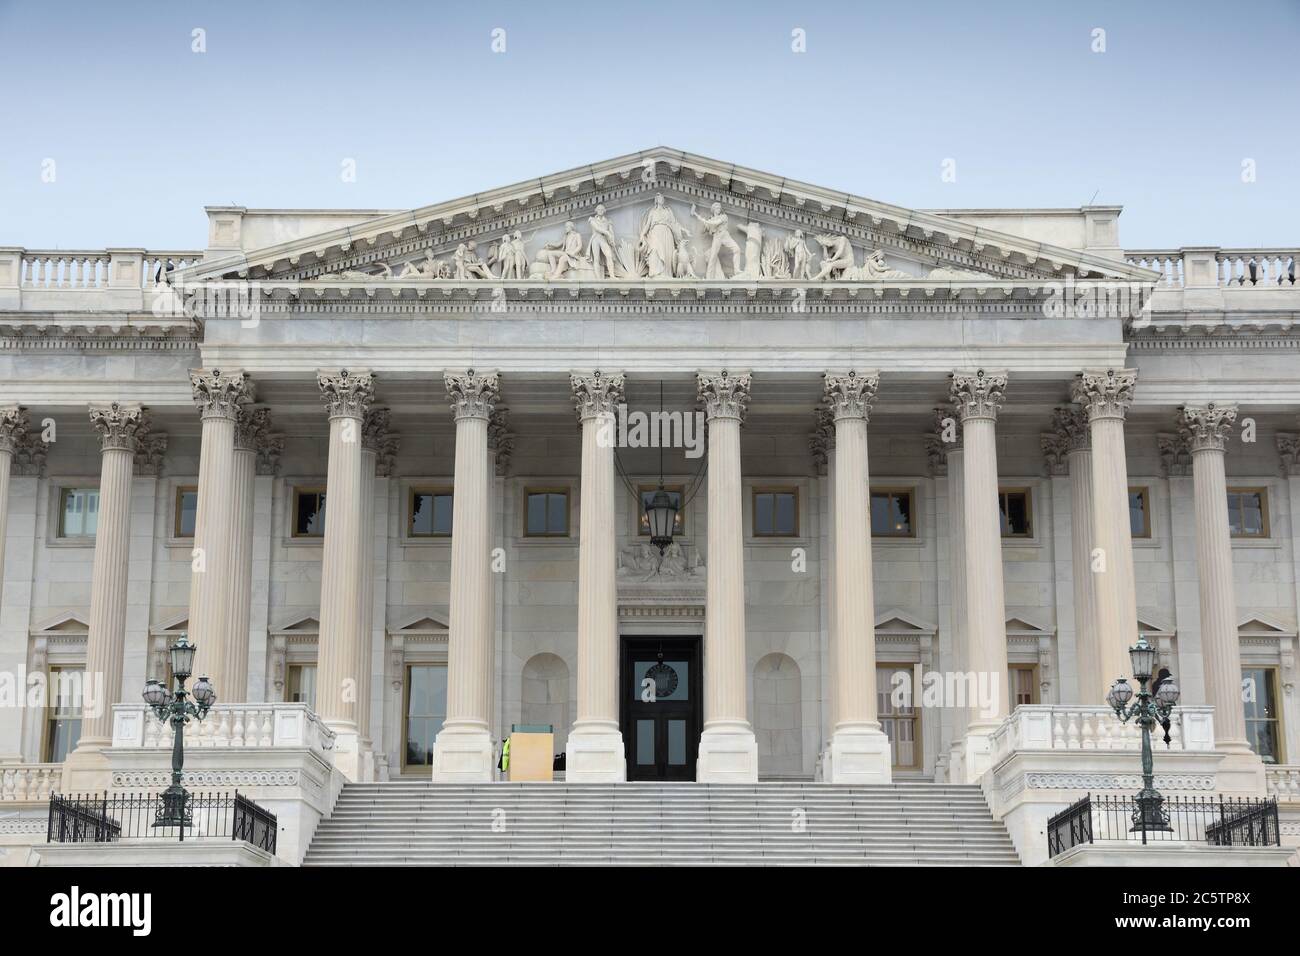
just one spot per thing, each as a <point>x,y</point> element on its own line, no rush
<point>757,490</point>
<point>290,668</point>
<point>60,532</point>
<point>1262,491</point>
<point>419,768</point>
<point>1028,492</point>
<point>567,492</point>
<point>1272,677</point>
<point>916,716</point>
<point>298,490</point>
<point>51,710</point>
<point>434,490</point>
<point>177,533</point>
<point>898,490</point>
<point>1032,670</point>
<point>1145,492</point>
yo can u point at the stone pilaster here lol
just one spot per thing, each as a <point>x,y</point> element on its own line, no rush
<point>378,450</point>
<point>945,444</point>
<point>728,748</point>
<point>1105,395</point>
<point>859,748</point>
<point>1074,434</point>
<point>14,423</point>
<point>347,395</point>
<point>117,426</point>
<point>252,428</point>
<point>218,396</point>
<point>595,745</point>
<point>1207,428</point>
<point>977,396</point>
<point>463,751</point>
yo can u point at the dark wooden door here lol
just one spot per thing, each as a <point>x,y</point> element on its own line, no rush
<point>661,708</point>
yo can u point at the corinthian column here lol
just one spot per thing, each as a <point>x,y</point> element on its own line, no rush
<point>1106,395</point>
<point>978,396</point>
<point>859,748</point>
<point>13,433</point>
<point>251,428</point>
<point>595,746</point>
<point>378,447</point>
<point>346,394</point>
<point>947,442</point>
<point>218,396</point>
<point>728,749</point>
<point>117,426</point>
<point>1207,428</point>
<point>462,752</point>
<point>1073,433</point>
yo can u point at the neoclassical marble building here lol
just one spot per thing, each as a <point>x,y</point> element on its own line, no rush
<point>975,451</point>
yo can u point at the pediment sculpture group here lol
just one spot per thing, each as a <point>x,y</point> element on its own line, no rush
<point>661,250</point>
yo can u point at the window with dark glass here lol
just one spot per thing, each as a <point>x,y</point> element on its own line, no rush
<point>776,512</point>
<point>63,724</point>
<point>1139,512</point>
<point>78,512</point>
<point>546,512</point>
<point>891,513</point>
<point>426,709</point>
<point>430,513</point>
<point>301,684</point>
<point>1016,513</point>
<point>1263,716</point>
<point>308,512</point>
<point>187,511</point>
<point>1022,684</point>
<point>675,492</point>
<point>1248,512</point>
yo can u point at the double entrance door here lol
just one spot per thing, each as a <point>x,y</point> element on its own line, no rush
<point>660,706</point>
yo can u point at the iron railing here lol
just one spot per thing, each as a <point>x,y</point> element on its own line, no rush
<point>109,817</point>
<point>1223,822</point>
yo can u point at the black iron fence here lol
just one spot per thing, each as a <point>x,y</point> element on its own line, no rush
<point>1222,821</point>
<point>109,817</point>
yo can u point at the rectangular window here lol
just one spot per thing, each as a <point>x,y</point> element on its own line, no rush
<point>1017,513</point>
<point>78,512</point>
<point>63,707</point>
<point>776,512</point>
<point>891,513</point>
<point>1248,512</point>
<point>187,511</point>
<point>429,513</point>
<point>546,512</point>
<point>899,716</point>
<point>1139,512</point>
<point>426,709</point>
<point>309,512</point>
<point>1263,716</point>
<point>676,493</point>
<point>301,686</point>
<point>1022,684</point>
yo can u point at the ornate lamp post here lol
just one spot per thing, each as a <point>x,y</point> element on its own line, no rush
<point>177,710</point>
<point>1149,709</point>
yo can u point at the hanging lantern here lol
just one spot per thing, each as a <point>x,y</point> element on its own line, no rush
<point>661,514</point>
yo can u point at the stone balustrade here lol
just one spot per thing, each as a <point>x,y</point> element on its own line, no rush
<point>1232,268</point>
<point>227,726</point>
<point>1095,727</point>
<point>1283,781</point>
<point>29,782</point>
<point>92,269</point>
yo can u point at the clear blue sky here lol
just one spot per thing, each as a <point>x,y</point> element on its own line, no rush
<point>144,132</point>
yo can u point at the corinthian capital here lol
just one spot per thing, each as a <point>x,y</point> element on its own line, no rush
<point>377,438</point>
<point>13,427</point>
<point>473,394</point>
<point>978,394</point>
<point>252,426</point>
<point>1104,393</point>
<point>723,395</point>
<point>849,394</point>
<point>118,425</point>
<point>1288,449</point>
<point>346,394</point>
<point>219,394</point>
<point>596,394</point>
<point>1207,426</point>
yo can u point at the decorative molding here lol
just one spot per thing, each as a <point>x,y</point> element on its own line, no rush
<point>978,394</point>
<point>377,439</point>
<point>596,394</point>
<point>501,440</point>
<point>252,425</point>
<point>14,422</point>
<point>1288,449</point>
<point>1104,393</point>
<point>849,394</point>
<point>1207,426</point>
<point>473,394</point>
<point>150,446</point>
<point>118,425</point>
<point>723,395</point>
<point>1175,454</point>
<point>219,395</point>
<point>1070,432</point>
<point>821,440</point>
<point>345,393</point>
<point>1102,780</point>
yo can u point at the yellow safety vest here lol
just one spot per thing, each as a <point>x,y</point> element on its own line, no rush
<point>505,756</point>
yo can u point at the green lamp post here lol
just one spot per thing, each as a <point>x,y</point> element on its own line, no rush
<point>177,710</point>
<point>1149,709</point>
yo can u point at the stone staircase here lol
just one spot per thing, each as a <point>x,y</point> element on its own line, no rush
<point>415,823</point>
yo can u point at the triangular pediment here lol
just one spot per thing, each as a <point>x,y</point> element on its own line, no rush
<point>299,625</point>
<point>896,622</point>
<point>67,622</point>
<point>1259,625</point>
<point>1019,625</point>
<point>780,230</point>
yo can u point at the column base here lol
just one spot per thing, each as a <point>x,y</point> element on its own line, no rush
<point>860,755</point>
<point>728,754</point>
<point>348,757</point>
<point>594,754</point>
<point>86,769</point>
<point>462,753</point>
<point>1240,773</point>
<point>976,753</point>
<point>957,761</point>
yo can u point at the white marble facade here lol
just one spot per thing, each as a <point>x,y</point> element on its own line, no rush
<point>664,268</point>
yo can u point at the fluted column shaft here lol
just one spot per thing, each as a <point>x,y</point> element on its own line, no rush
<point>117,426</point>
<point>1208,427</point>
<point>366,606</point>
<point>219,396</point>
<point>13,428</point>
<point>1087,639</point>
<point>243,478</point>
<point>1106,395</point>
<point>347,395</point>
<point>957,576</point>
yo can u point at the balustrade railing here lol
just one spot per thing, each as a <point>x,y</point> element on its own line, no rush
<point>90,269</point>
<point>30,782</point>
<point>1094,727</point>
<point>1233,268</point>
<point>228,726</point>
<point>1283,782</point>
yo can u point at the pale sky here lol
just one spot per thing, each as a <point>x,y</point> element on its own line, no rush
<point>138,132</point>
